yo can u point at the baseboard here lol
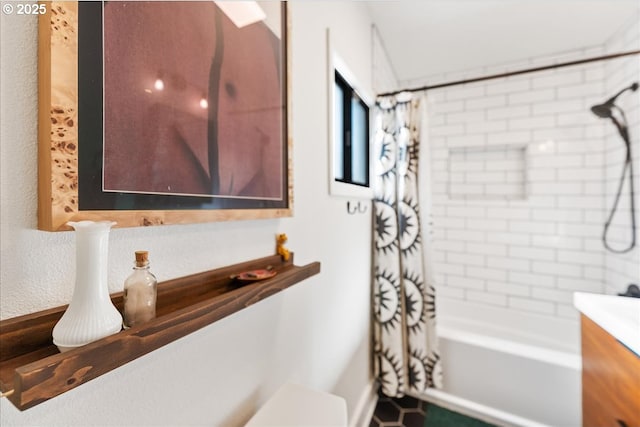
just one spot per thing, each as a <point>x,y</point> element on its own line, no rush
<point>477,410</point>
<point>366,405</point>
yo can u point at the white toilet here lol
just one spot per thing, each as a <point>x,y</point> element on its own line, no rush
<point>297,406</point>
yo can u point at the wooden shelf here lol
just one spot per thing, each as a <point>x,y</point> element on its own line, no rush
<point>32,367</point>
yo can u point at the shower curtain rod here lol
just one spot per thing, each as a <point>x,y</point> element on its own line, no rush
<point>513,73</point>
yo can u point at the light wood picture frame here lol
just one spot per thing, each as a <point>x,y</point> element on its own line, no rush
<point>79,131</point>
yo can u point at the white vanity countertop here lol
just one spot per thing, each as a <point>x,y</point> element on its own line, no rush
<point>619,316</point>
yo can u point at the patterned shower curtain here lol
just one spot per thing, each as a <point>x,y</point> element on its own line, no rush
<point>406,358</point>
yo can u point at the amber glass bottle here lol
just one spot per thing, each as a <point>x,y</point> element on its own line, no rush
<point>140,290</point>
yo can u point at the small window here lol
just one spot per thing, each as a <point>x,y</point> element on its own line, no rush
<point>351,135</point>
<point>349,152</point>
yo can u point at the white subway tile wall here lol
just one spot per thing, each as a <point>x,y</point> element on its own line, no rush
<point>622,269</point>
<point>530,255</point>
<point>489,173</point>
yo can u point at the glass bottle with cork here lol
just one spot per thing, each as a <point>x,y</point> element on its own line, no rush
<point>140,291</point>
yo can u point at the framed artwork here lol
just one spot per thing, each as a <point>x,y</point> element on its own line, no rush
<point>163,112</point>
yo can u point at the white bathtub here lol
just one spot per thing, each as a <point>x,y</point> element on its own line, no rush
<point>509,369</point>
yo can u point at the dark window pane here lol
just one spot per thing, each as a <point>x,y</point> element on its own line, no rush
<point>350,134</point>
<point>338,132</point>
<point>359,143</point>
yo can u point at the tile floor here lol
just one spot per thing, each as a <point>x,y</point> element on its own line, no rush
<point>404,412</point>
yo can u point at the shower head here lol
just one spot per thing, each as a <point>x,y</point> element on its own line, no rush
<point>604,110</point>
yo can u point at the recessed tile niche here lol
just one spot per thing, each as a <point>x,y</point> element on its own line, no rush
<point>488,173</point>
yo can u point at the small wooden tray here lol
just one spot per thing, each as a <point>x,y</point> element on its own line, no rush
<point>255,275</point>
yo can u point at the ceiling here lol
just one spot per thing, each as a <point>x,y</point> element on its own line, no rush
<point>430,37</point>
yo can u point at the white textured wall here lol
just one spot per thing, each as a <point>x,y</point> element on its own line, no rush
<point>523,255</point>
<point>623,269</point>
<point>384,77</point>
<point>315,333</point>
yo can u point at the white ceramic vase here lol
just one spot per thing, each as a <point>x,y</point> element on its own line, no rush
<point>91,314</point>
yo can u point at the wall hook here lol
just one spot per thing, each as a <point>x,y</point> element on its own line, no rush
<point>356,207</point>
